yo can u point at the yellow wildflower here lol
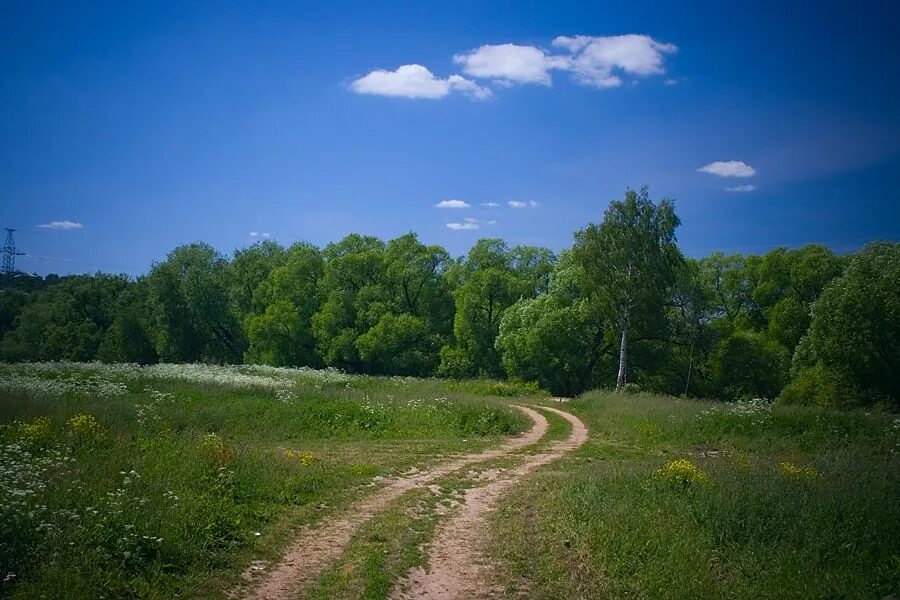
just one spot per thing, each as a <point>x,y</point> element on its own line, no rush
<point>304,458</point>
<point>37,430</point>
<point>84,425</point>
<point>789,469</point>
<point>681,471</point>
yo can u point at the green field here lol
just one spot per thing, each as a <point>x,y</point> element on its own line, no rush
<point>161,481</point>
<point>689,499</point>
<point>167,481</point>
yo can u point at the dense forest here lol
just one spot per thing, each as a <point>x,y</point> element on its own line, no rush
<point>622,308</point>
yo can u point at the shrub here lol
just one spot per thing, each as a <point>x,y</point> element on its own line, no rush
<point>455,363</point>
<point>820,386</point>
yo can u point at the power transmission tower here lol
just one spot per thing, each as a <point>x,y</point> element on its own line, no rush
<point>10,253</point>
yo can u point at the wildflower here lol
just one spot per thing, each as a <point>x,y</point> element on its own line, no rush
<point>35,431</point>
<point>84,425</point>
<point>789,469</point>
<point>681,471</point>
<point>214,448</point>
<point>304,458</point>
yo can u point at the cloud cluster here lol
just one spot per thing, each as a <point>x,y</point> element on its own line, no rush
<point>470,223</point>
<point>731,168</point>
<point>63,225</point>
<point>416,81</point>
<point>260,234</point>
<point>596,61</point>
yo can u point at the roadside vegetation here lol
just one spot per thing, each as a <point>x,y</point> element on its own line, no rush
<point>129,481</point>
<point>687,499</point>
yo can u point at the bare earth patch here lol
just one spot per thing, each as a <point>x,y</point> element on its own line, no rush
<point>314,548</point>
<point>457,566</point>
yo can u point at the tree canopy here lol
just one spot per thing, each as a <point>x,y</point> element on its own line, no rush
<point>621,306</point>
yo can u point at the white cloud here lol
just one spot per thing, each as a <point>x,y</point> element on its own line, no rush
<point>452,204</point>
<point>64,225</point>
<point>509,63</point>
<point>260,234</point>
<point>596,61</point>
<point>416,81</point>
<point>490,204</point>
<point>470,223</point>
<point>741,188</point>
<point>593,60</point>
<point>523,204</point>
<point>728,168</point>
<point>462,226</point>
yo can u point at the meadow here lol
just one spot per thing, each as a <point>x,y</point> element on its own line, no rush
<point>162,481</point>
<point>689,499</point>
<point>168,480</point>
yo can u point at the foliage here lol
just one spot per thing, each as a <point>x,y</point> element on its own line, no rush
<point>788,323</point>
<point>631,261</point>
<point>855,328</point>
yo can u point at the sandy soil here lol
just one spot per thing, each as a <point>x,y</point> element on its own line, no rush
<point>457,565</point>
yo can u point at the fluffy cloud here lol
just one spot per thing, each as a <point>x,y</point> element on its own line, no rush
<point>596,61</point>
<point>416,81</point>
<point>490,204</point>
<point>522,204</point>
<point>741,188</point>
<point>593,60</point>
<point>64,225</point>
<point>259,234</point>
<point>509,63</point>
<point>452,204</point>
<point>728,168</point>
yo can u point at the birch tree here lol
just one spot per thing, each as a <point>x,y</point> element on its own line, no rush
<point>631,261</point>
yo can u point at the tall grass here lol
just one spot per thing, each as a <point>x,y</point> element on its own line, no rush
<point>682,499</point>
<point>122,481</point>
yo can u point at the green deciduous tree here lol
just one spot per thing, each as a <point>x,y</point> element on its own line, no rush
<point>193,320</point>
<point>557,339</point>
<point>855,330</point>
<point>631,261</point>
<point>279,331</point>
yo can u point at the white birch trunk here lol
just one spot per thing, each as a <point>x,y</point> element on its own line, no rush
<point>623,355</point>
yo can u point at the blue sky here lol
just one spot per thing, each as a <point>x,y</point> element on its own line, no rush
<point>129,128</point>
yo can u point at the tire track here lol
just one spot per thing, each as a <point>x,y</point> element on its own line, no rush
<point>457,566</point>
<point>314,549</point>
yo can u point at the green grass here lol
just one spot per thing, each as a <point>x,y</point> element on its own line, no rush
<point>178,476</point>
<point>603,523</point>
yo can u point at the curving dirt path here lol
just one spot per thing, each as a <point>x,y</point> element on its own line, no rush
<point>457,567</point>
<point>314,548</point>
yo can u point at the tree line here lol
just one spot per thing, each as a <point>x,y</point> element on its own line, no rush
<point>622,307</point>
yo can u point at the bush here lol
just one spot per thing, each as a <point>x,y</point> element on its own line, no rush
<point>455,363</point>
<point>820,386</point>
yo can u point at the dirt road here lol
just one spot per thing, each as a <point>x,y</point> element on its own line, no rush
<point>457,567</point>
<point>314,548</point>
